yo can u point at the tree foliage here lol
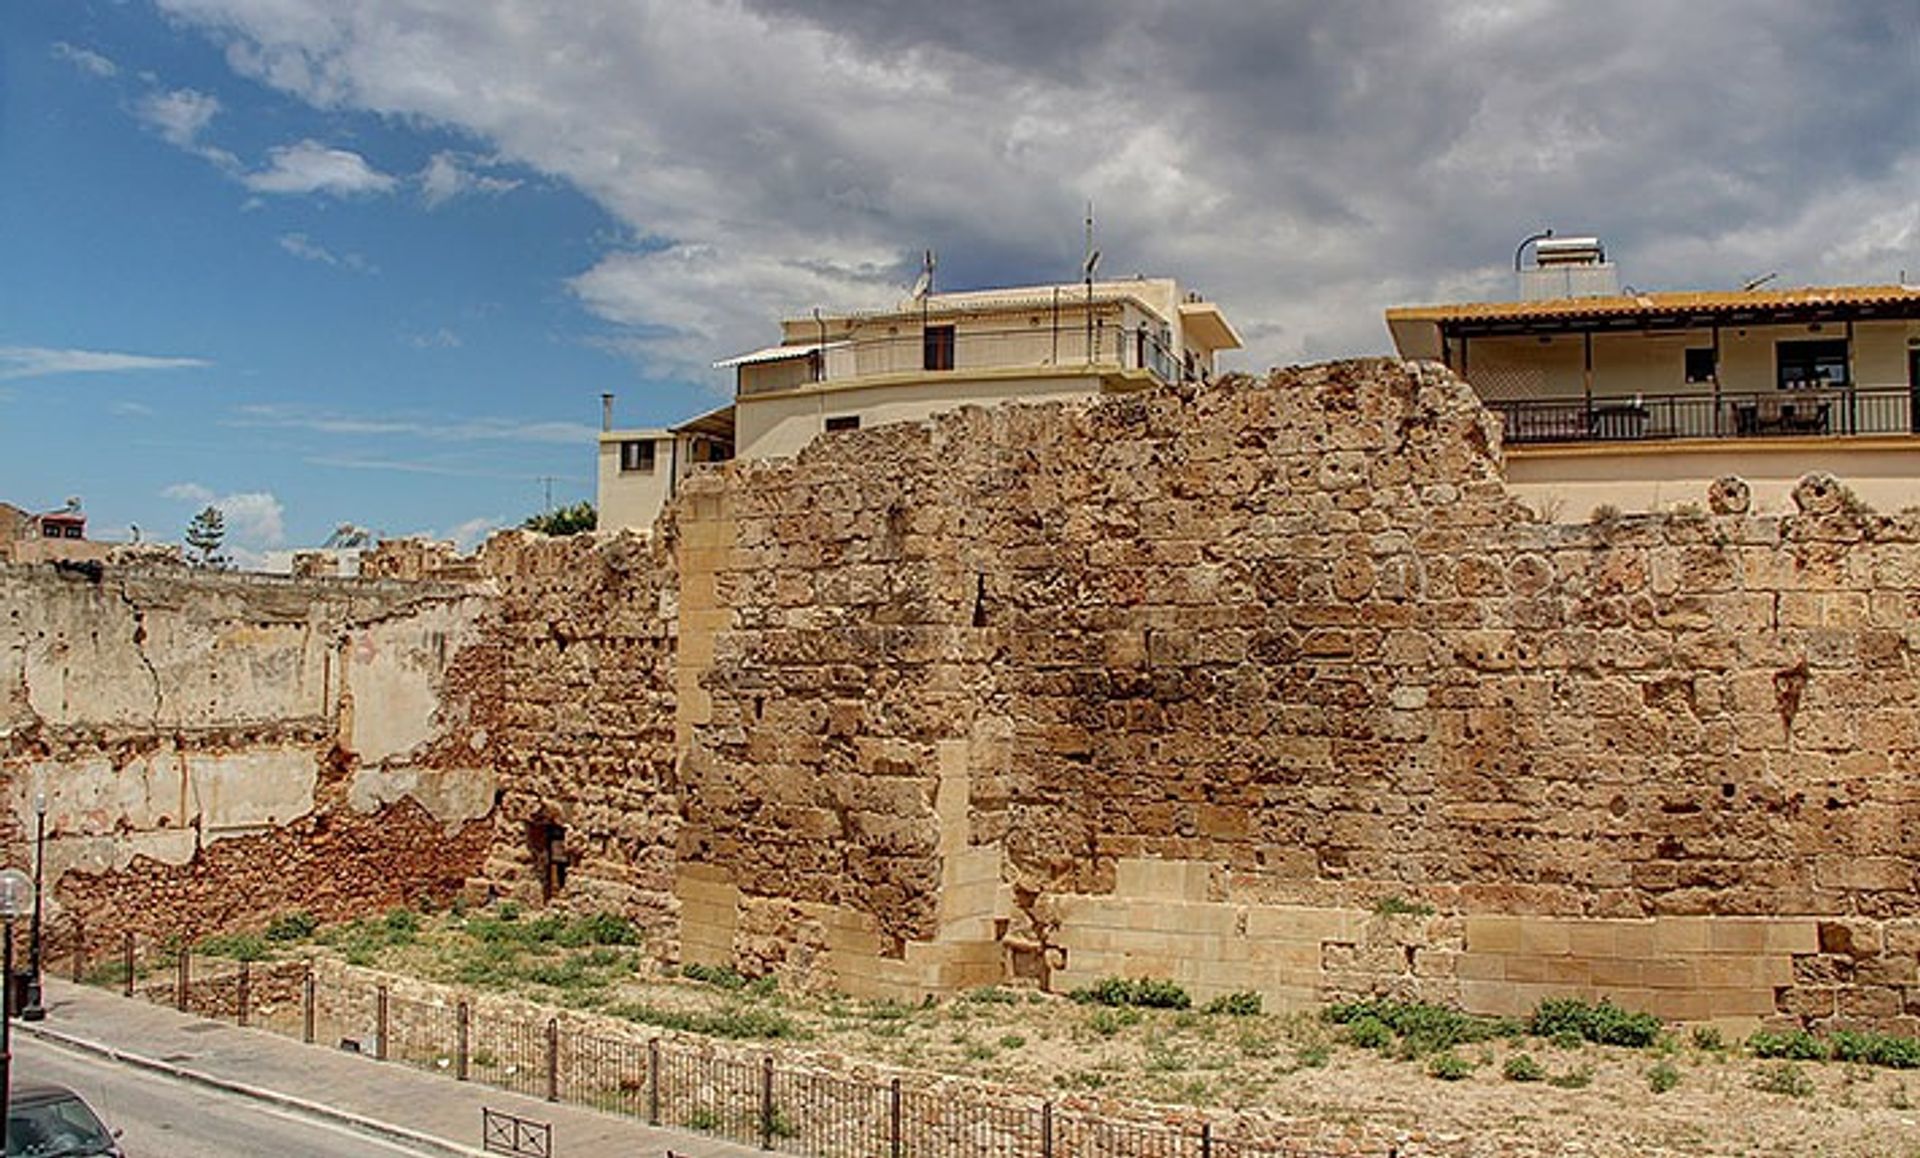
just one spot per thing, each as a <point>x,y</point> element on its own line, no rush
<point>564,520</point>
<point>205,534</point>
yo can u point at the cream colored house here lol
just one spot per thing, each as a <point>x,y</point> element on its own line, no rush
<point>932,353</point>
<point>639,470</point>
<point>940,352</point>
<point>1639,400</point>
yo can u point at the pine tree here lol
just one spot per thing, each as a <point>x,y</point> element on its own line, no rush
<point>205,534</point>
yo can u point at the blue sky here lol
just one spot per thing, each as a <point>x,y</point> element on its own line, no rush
<point>373,261</point>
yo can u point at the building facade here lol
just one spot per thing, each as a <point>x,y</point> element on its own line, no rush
<point>1639,400</point>
<point>932,353</point>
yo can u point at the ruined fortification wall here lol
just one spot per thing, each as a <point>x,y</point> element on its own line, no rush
<point>216,748</point>
<point>582,724</point>
<point>1192,682</point>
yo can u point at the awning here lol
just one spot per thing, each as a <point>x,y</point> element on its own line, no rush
<point>1204,322</point>
<point>777,354</point>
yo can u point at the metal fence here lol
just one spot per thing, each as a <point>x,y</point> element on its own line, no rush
<point>1700,415</point>
<point>664,1081</point>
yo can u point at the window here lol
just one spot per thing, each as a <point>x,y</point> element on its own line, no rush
<point>636,455</point>
<point>1700,364</point>
<point>938,346</point>
<point>1812,365</point>
<point>850,421</point>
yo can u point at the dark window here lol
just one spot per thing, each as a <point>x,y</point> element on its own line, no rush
<point>847,421</point>
<point>50,530</point>
<point>73,532</point>
<point>939,348</point>
<point>1700,364</point>
<point>636,455</point>
<point>1812,365</point>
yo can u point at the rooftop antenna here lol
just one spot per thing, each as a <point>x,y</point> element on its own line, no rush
<point>1092,263</point>
<point>1757,282</point>
<point>923,285</point>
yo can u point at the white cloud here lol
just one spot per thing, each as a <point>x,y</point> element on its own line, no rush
<point>85,59</point>
<point>1305,164</point>
<point>187,492</point>
<point>471,533</point>
<point>181,116</point>
<point>440,339</point>
<point>255,520</point>
<point>307,249</point>
<point>448,175</point>
<point>126,408</point>
<point>311,167</point>
<point>41,361</point>
<point>482,429</point>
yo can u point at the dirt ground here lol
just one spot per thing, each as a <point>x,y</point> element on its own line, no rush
<point>1586,1100</point>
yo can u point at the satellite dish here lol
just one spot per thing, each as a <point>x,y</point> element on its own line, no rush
<point>922,284</point>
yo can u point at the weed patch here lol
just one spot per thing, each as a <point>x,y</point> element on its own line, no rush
<point>1602,1023</point>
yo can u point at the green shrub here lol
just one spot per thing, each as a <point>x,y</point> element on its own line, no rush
<point>1423,1027</point>
<point>295,926</point>
<point>1399,906</point>
<point>1449,1066</point>
<point>1312,1057</point>
<point>1603,1023</point>
<point>1662,1077</point>
<point>238,946</point>
<point>991,995</point>
<point>1245,1003</point>
<point>1577,1078</point>
<point>1150,992</point>
<point>1707,1037</point>
<point>600,929</point>
<point>1107,1022</point>
<point>1797,1045</point>
<point>722,976</point>
<point>1784,1078</point>
<point>403,923</point>
<point>1876,1049</point>
<point>740,1024</point>
<point>1369,1033</point>
<point>1522,1068</point>
<point>1012,1041</point>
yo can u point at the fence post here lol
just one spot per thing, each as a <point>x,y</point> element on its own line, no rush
<point>1206,1140</point>
<point>182,978</point>
<point>553,1059</point>
<point>246,990</point>
<point>766,1102</point>
<point>1046,1130</point>
<point>653,1081</point>
<point>306,1004</point>
<point>127,953</point>
<point>380,1022</point>
<point>79,953</point>
<point>462,1018</point>
<point>893,1114</point>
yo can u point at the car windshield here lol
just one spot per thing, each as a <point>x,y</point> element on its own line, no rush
<point>59,1126</point>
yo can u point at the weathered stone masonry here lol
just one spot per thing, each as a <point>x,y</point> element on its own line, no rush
<point>1214,683</point>
<point>1217,670</point>
<point>218,748</point>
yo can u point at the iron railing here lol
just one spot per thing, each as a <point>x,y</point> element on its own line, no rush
<point>1697,415</point>
<point>667,1082</point>
<point>1107,343</point>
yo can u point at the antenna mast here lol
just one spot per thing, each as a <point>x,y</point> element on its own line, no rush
<point>1093,260</point>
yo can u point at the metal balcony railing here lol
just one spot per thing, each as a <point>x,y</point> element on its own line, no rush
<point>1786,413</point>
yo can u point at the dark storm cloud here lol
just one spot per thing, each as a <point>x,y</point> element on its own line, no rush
<point>1307,163</point>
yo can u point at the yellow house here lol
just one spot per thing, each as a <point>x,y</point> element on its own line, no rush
<point>932,353</point>
<point>1639,400</point>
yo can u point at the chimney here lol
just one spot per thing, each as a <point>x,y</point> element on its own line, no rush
<point>606,412</point>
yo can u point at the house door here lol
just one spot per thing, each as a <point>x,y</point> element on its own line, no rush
<point>1913,390</point>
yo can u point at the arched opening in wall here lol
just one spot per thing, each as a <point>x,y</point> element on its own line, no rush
<point>547,845</point>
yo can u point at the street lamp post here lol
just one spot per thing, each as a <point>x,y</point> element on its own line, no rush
<point>34,1010</point>
<point>14,889</point>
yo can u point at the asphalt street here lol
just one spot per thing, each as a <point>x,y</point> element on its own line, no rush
<point>166,1118</point>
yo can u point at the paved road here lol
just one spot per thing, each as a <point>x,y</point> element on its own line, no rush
<point>167,1118</point>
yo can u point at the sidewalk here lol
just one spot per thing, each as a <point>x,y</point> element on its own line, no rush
<point>434,1114</point>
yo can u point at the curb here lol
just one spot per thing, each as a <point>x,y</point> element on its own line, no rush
<point>319,1110</point>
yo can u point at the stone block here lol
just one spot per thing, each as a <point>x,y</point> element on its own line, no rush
<point>1493,934</point>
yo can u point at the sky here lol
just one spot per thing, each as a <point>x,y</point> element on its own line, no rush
<point>374,261</point>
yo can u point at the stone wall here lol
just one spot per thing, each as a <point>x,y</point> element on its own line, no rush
<point>583,725</point>
<point>215,748</point>
<point>1294,640</point>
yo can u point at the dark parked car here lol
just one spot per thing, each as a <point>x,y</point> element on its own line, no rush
<point>44,1121</point>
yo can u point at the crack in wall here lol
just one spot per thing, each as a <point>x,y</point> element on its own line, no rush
<point>140,648</point>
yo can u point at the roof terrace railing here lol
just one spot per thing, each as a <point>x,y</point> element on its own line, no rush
<point>1779,413</point>
<point>930,352</point>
